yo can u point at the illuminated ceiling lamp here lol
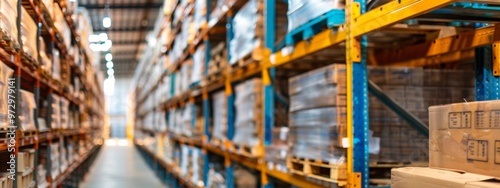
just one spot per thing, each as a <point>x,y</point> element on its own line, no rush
<point>106,21</point>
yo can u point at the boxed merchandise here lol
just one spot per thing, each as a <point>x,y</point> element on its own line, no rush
<point>64,109</point>
<point>466,137</point>
<point>246,24</point>
<point>219,131</point>
<point>45,63</point>
<point>417,177</point>
<point>5,74</point>
<point>199,17</point>
<point>29,31</point>
<point>61,25</point>
<point>56,64</point>
<point>28,105</point>
<point>56,112</point>
<point>248,119</point>
<point>8,27</point>
<point>198,64</point>
<point>54,160</point>
<point>277,152</point>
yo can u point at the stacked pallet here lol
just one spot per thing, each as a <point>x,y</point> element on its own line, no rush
<point>278,150</point>
<point>219,130</point>
<point>191,162</point>
<point>415,89</point>
<point>249,117</point>
<point>198,66</point>
<point>248,24</point>
<point>317,123</point>
<point>8,24</point>
<point>218,61</point>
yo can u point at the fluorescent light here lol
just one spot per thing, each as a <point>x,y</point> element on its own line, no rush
<point>109,86</point>
<point>106,22</point>
<point>108,57</point>
<point>109,64</point>
<point>111,72</point>
<point>103,37</point>
<point>94,38</point>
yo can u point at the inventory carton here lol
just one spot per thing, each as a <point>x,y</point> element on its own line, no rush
<point>466,137</point>
<point>418,177</point>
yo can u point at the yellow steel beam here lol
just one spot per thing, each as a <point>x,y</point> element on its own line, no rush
<point>496,58</point>
<point>296,180</point>
<point>394,12</point>
<point>445,46</point>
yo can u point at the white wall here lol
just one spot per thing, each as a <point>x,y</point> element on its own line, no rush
<point>117,106</point>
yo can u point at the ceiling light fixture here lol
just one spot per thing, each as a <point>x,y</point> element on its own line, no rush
<point>108,57</point>
<point>109,65</point>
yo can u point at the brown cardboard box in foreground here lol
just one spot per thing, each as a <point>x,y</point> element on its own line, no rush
<point>419,177</point>
<point>466,137</point>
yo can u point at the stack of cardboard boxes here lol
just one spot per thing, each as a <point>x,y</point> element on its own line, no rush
<point>464,148</point>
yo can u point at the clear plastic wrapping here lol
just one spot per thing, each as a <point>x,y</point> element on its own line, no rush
<point>198,64</point>
<point>56,64</point>
<point>219,10</point>
<point>8,12</point>
<point>200,10</point>
<point>187,126</point>
<point>29,31</point>
<point>64,113</point>
<point>244,32</point>
<point>61,25</point>
<point>219,102</point>
<point>322,77</point>
<point>5,74</point>
<point>329,116</point>
<point>27,117</point>
<point>316,96</point>
<point>56,112</point>
<point>248,114</point>
<point>302,11</point>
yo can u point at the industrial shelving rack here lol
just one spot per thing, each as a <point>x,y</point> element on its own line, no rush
<point>29,76</point>
<point>349,40</point>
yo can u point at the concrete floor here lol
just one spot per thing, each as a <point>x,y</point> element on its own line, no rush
<point>119,165</point>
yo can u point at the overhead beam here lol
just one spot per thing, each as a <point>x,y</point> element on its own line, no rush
<point>112,29</point>
<point>123,6</point>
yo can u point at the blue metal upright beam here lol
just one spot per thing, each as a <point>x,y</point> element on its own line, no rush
<point>487,86</point>
<point>360,110</point>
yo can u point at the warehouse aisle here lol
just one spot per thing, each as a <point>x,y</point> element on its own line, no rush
<point>119,165</point>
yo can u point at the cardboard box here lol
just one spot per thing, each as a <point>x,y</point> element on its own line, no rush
<point>466,136</point>
<point>418,177</point>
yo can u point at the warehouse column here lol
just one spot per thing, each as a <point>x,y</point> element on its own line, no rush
<point>487,84</point>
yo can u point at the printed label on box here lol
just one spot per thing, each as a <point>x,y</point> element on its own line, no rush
<point>497,151</point>
<point>477,150</point>
<point>480,120</point>
<point>459,120</point>
<point>495,119</point>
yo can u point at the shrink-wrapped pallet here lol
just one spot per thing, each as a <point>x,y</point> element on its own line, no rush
<point>27,117</point>
<point>55,112</point>
<point>248,112</point>
<point>244,39</point>
<point>198,64</point>
<point>219,131</point>
<point>303,11</point>
<point>5,74</point>
<point>62,25</point>
<point>29,31</point>
<point>8,27</point>
<point>277,152</point>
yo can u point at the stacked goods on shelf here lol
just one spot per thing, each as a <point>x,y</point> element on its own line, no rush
<point>168,150</point>
<point>160,120</point>
<point>71,151</point>
<point>84,29</point>
<point>56,64</point>
<point>25,166</point>
<point>54,160</point>
<point>218,59</point>
<point>5,181</point>
<point>219,129</point>
<point>63,156</point>
<point>216,173</point>
<point>218,11</point>
<point>277,152</point>
<point>244,177</point>
<point>8,23</point>
<point>198,65</point>
<point>317,123</point>
<point>300,12</point>
<point>27,107</point>
<point>55,112</point>
<point>64,113</point>
<point>248,121</point>
<point>5,74</point>
<point>247,31</point>
<point>28,35</point>
<point>199,16</point>
<point>46,62</point>
<point>415,89</point>
<point>196,167</point>
<point>465,137</point>
<point>61,25</point>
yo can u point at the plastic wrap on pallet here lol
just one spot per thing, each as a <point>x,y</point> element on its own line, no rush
<point>219,100</point>
<point>218,11</point>
<point>56,64</point>
<point>197,165</point>
<point>54,160</point>
<point>61,25</point>
<point>333,74</point>
<point>278,150</point>
<point>56,112</point>
<point>8,27</point>
<point>187,128</point>
<point>184,78</point>
<point>63,158</point>
<point>248,94</point>
<point>46,63</point>
<point>28,34</point>
<point>302,11</point>
<point>200,10</point>
<point>28,106</point>
<point>64,113</point>
<point>319,96</point>
<point>244,36</point>
<point>184,160</point>
<point>5,73</point>
<point>198,64</point>
<point>328,116</point>
<point>216,178</point>
<point>84,29</point>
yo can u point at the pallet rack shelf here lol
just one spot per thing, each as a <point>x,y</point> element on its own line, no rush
<point>351,42</point>
<point>29,76</point>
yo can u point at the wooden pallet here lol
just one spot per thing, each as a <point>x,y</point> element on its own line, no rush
<point>7,43</point>
<point>317,169</point>
<point>248,151</point>
<point>329,20</point>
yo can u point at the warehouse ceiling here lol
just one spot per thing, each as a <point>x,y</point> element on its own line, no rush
<point>131,20</point>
